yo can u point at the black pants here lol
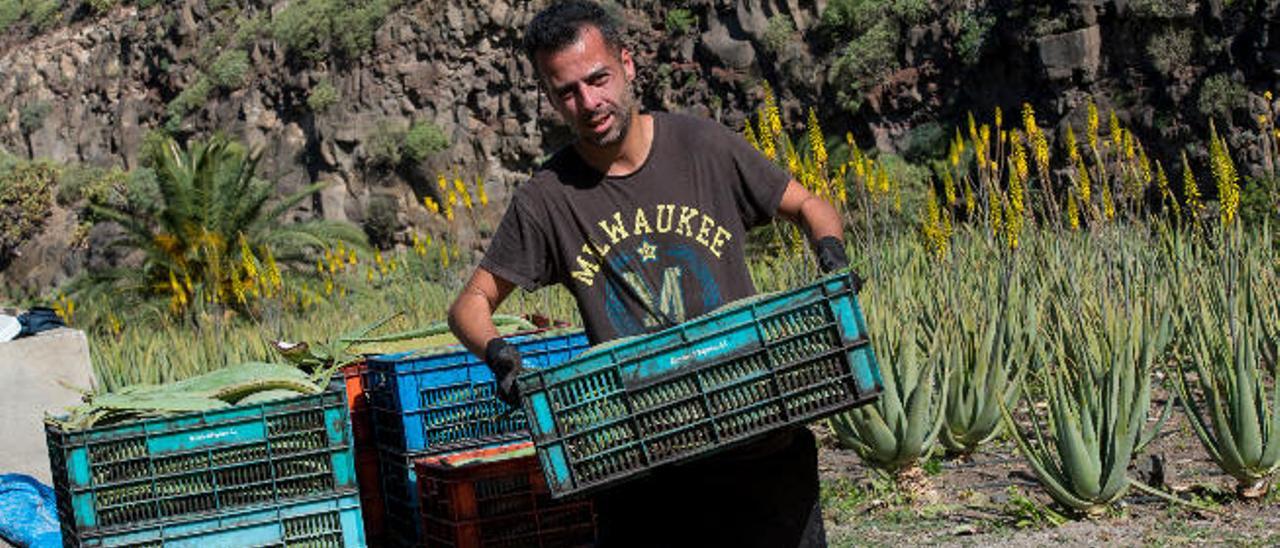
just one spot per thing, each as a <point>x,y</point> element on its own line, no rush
<point>763,494</point>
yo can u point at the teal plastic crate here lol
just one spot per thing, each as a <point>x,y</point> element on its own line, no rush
<point>128,475</point>
<point>332,521</point>
<point>761,364</point>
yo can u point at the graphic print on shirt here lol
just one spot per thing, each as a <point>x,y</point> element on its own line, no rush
<point>660,253</point>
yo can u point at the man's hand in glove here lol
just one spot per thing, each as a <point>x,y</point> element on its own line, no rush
<point>504,360</point>
<point>832,257</point>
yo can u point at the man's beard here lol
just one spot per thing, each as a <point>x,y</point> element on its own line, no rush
<point>622,114</point>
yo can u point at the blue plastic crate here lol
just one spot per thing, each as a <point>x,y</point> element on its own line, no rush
<point>759,365</point>
<point>445,400</point>
<point>332,521</point>
<point>400,497</point>
<point>128,475</point>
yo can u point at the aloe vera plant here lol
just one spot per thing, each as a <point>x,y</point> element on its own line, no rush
<point>988,346</point>
<point>1098,393</point>
<point>1232,324</point>
<point>900,428</point>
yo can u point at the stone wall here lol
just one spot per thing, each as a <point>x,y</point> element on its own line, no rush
<point>454,63</point>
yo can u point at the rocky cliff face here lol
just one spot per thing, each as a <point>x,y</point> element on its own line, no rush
<point>90,90</point>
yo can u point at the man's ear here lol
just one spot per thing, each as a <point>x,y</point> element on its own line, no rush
<point>628,65</point>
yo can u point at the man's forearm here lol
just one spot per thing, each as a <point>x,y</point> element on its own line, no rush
<point>471,320</point>
<point>820,219</point>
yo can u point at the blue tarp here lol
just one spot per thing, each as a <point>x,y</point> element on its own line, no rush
<point>28,513</point>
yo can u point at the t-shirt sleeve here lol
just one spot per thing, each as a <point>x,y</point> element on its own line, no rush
<point>520,251</point>
<point>760,181</point>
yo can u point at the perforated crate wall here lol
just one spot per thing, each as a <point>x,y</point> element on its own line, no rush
<point>197,463</point>
<point>328,522</point>
<point>497,502</point>
<point>702,386</point>
<point>400,498</point>
<point>445,400</point>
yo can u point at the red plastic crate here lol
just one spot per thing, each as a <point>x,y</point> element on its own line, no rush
<point>497,496</point>
<point>366,452</point>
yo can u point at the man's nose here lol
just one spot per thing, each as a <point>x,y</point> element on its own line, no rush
<point>590,98</point>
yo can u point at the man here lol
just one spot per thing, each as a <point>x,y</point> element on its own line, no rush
<point>644,219</point>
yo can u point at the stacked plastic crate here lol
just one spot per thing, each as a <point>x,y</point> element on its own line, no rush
<point>497,497</point>
<point>766,363</point>
<point>443,400</point>
<point>272,474</point>
<point>353,377</point>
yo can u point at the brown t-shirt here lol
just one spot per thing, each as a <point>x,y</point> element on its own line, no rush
<point>643,251</point>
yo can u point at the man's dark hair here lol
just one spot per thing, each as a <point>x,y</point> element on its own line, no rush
<point>557,26</point>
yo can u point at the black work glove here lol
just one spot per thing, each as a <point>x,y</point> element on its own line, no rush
<point>832,257</point>
<point>503,360</point>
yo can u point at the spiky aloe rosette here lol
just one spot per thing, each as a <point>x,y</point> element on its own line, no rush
<point>989,343</point>
<point>900,428</point>
<point>1097,391</point>
<point>1231,319</point>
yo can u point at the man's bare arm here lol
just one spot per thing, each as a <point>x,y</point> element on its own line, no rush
<point>812,213</point>
<point>471,315</point>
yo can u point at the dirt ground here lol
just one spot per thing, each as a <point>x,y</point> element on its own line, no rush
<point>994,500</point>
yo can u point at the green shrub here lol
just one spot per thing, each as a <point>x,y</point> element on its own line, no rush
<point>1260,200</point>
<point>1161,9</point>
<point>304,28</point>
<point>927,141</point>
<point>974,28</point>
<point>31,116</point>
<point>142,191</point>
<point>44,13</point>
<point>680,21</point>
<point>863,61</point>
<point>382,145</point>
<point>380,222</point>
<point>778,33</point>
<point>191,99</point>
<point>317,29</point>
<point>151,144</point>
<point>230,70</point>
<point>80,182</point>
<point>1171,50</point>
<point>25,199</point>
<point>848,18</point>
<point>10,13</point>
<point>424,139</point>
<point>911,11</point>
<point>1219,95</point>
<point>322,96</point>
<point>248,30</point>
<point>144,4</point>
<point>102,6</point>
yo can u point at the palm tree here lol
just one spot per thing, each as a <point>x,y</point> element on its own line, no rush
<point>214,236</point>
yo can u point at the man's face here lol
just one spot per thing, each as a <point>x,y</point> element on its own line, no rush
<point>590,86</point>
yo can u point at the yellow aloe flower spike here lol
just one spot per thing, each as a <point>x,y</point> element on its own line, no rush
<point>1190,189</point>
<point>750,135</point>
<point>1091,130</point>
<point>481,195</point>
<point>1073,211</point>
<point>1166,190</point>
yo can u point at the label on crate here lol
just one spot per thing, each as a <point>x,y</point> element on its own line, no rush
<point>699,354</point>
<point>679,358</point>
<point>209,437</point>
